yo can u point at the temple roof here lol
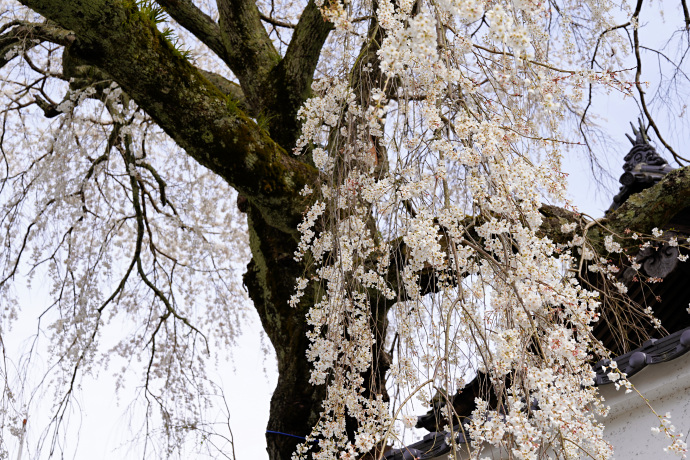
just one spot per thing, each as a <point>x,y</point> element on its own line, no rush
<point>654,351</point>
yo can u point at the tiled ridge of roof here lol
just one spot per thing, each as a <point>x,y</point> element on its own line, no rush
<point>432,445</point>
<point>653,351</point>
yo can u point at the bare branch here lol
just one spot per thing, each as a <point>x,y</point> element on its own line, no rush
<point>636,40</point>
<point>197,22</point>
<point>276,22</point>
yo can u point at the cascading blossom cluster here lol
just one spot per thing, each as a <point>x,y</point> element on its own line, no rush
<point>429,208</point>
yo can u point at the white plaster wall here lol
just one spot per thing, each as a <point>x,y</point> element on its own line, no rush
<point>628,427</point>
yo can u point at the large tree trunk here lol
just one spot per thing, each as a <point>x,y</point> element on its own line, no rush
<point>270,277</point>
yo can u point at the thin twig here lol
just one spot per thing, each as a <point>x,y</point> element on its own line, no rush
<point>638,85</point>
<point>276,22</point>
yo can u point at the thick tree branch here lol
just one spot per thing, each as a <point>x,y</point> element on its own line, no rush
<point>251,54</point>
<point>202,120</point>
<point>293,76</point>
<point>653,207</point>
<point>553,218</point>
<point>305,47</point>
<point>197,22</point>
<point>229,88</point>
<point>641,212</point>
